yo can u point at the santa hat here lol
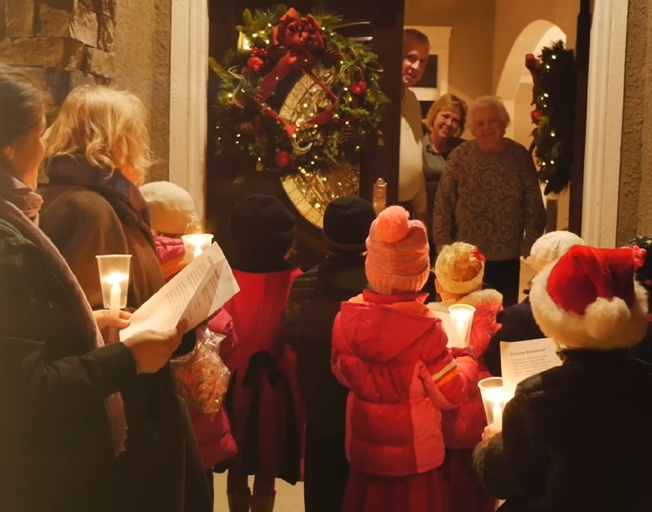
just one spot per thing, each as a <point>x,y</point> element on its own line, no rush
<point>397,258</point>
<point>590,299</point>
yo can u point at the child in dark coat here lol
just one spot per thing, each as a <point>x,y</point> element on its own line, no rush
<point>579,436</point>
<point>517,322</point>
<point>314,302</point>
<point>644,275</point>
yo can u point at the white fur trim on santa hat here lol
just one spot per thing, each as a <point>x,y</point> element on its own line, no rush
<point>606,324</point>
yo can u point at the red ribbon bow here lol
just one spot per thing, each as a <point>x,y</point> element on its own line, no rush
<point>301,37</point>
<point>478,255</point>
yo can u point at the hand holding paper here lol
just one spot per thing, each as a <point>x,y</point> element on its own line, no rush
<point>194,294</point>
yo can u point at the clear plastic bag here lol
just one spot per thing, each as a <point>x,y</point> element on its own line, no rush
<point>201,378</point>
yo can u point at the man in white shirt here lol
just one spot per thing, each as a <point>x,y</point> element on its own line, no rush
<point>412,186</point>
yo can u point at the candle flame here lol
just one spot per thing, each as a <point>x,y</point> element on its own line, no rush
<point>115,278</point>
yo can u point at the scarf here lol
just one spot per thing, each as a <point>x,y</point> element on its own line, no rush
<point>20,195</point>
<point>20,206</point>
<point>125,197</point>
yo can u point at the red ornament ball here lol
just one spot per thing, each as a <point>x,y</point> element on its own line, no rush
<point>255,64</point>
<point>535,115</point>
<point>359,88</point>
<point>283,158</point>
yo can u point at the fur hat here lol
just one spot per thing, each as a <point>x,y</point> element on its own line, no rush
<point>397,259</point>
<point>347,221</point>
<point>590,299</point>
<point>550,247</point>
<point>171,208</point>
<point>460,268</point>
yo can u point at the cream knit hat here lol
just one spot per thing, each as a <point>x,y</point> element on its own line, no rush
<point>171,208</point>
<point>550,247</point>
<point>460,268</point>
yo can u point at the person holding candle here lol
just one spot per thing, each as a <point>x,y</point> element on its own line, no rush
<point>97,153</point>
<point>264,403</point>
<point>173,215</point>
<point>517,322</point>
<point>62,435</point>
<point>390,350</point>
<point>314,302</point>
<point>459,271</point>
<point>579,436</point>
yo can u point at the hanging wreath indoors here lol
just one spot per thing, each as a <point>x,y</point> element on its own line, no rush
<point>296,96</point>
<point>553,74</point>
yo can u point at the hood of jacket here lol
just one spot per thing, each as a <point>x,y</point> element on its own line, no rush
<point>384,326</point>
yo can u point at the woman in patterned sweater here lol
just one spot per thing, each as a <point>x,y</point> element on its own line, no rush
<point>489,197</point>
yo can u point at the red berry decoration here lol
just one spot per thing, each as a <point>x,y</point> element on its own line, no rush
<point>283,158</point>
<point>359,88</point>
<point>255,63</point>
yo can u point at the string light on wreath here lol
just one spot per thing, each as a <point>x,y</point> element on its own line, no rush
<point>553,75</point>
<point>341,77</point>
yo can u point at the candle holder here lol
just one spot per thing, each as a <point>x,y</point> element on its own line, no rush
<point>462,319</point>
<point>114,278</point>
<point>196,244</point>
<point>494,398</point>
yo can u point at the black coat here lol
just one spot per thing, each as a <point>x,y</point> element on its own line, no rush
<point>575,438</point>
<point>516,324</point>
<point>56,453</point>
<point>314,302</point>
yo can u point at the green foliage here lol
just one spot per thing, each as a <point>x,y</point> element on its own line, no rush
<point>235,103</point>
<point>554,97</point>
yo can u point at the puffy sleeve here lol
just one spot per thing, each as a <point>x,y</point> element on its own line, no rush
<point>510,464</point>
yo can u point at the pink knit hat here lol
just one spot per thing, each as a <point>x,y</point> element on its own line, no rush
<point>397,261</point>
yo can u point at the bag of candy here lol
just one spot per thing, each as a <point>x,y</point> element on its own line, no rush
<point>201,377</point>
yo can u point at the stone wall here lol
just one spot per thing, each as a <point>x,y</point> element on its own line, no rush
<point>62,43</point>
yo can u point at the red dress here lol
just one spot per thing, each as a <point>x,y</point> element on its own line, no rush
<point>264,401</point>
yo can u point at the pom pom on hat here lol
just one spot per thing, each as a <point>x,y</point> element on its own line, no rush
<point>590,299</point>
<point>392,224</point>
<point>398,253</point>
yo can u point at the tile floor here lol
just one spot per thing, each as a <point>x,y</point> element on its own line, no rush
<point>290,498</point>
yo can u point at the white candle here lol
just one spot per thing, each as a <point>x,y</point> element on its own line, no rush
<point>498,415</point>
<point>196,244</point>
<point>115,300</point>
<point>462,316</point>
<point>198,251</point>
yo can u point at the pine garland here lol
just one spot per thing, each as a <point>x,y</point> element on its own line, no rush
<point>268,147</point>
<point>554,77</point>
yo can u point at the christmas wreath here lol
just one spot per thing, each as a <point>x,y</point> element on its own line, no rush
<point>553,74</point>
<point>296,96</point>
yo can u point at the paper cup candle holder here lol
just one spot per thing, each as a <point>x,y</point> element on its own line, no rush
<point>494,398</point>
<point>114,278</point>
<point>196,244</point>
<point>462,320</point>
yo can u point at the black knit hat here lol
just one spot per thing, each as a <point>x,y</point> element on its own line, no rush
<point>262,232</point>
<point>347,221</point>
<point>644,273</point>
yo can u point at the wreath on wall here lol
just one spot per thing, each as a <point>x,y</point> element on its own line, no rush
<point>553,92</point>
<point>296,96</point>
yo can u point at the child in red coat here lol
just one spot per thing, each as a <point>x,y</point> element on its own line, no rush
<point>264,402</point>
<point>173,213</point>
<point>390,350</point>
<point>459,271</point>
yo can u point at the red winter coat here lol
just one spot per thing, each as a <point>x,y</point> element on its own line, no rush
<point>463,426</point>
<point>391,351</point>
<point>264,391</point>
<point>213,432</point>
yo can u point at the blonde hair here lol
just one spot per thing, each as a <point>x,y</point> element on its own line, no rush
<point>449,102</point>
<point>460,268</point>
<point>108,126</point>
<point>493,102</point>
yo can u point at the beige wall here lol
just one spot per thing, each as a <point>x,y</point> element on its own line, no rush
<point>470,71</point>
<point>142,57</point>
<point>635,193</point>
<point>512,16</point>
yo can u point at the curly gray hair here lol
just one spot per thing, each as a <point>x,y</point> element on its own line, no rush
<point>490,101</point>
